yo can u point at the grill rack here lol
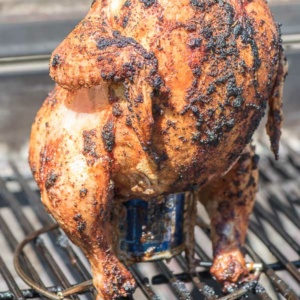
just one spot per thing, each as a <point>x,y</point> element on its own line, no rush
<point>278,201</point>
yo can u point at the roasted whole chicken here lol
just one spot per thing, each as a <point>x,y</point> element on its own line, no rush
<point>156,97</point>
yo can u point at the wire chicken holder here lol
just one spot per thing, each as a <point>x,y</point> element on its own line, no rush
<point>63,289</point>
<point>256,268</point>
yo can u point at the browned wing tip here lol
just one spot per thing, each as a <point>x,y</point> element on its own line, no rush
<point>275,115</point>
<point>274,129</point>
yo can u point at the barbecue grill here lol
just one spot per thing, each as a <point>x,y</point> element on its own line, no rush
<point>55,265</point>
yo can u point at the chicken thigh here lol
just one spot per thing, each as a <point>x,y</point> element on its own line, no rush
<point>156,97</point>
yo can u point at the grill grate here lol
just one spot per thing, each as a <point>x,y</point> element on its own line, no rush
<point>53,263</point>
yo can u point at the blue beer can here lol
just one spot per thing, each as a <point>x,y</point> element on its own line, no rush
<point>154,229</point>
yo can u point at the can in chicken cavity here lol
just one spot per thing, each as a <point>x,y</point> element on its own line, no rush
<point>155,229</point>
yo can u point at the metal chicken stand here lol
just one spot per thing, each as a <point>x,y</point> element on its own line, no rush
<point>167,240</point>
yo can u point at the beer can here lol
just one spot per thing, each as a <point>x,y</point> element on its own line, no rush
<point>154,229</point>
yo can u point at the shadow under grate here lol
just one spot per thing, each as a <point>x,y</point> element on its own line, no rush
<point>55,264</point>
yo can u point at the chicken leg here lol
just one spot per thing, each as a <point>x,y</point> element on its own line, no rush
<point>229,201</point>
<point>72,167</point>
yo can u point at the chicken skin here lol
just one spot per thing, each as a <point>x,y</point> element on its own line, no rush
<point>156,97</point>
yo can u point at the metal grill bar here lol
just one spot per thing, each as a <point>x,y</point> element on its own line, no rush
<point>10,281</point>
<point>177,286</point>
<point>279,284</point>
<point>261,213</point>
<point>43,252</point>
<point>143,284</point>
<point>275,203</point>
<point>260,232</point>
<point>274,250</point>
<point>13,245</point>
<point>203,288</point>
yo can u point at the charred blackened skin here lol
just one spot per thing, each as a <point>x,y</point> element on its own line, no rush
<point>83,193</point>
<point>197,4</point>
<point>234,91</point>
<point>77,217</point>
<point>211,89</point>
<point>214,135</point>
<point>251,182</point>
<point>127,3</point>
<point>125,21</point>
<point>190,27</point>
<point>210,128</point>
<point>159,158</point>
<point>51,179</point>
<point>197,72</point>
<point>121,41</point>
<point>117,112</point>
<point>108,136</point>
<point>147,3</point>
<point>255,160</point>
<point>247,33</point>
<point>81,224</point>
<point>56,60</point>
<point>103,43</point>
<point>129,287</point>
<point>276,131</point>
<point>89,146</point>
<point>130,68</point>
<point>139,99</point>
<point>194,43</point>
<point>128,121</point>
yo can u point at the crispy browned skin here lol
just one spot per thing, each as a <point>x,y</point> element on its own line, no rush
<point>153,97</point>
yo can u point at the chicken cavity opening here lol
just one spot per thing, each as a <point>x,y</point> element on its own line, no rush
<point>96,98</point>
